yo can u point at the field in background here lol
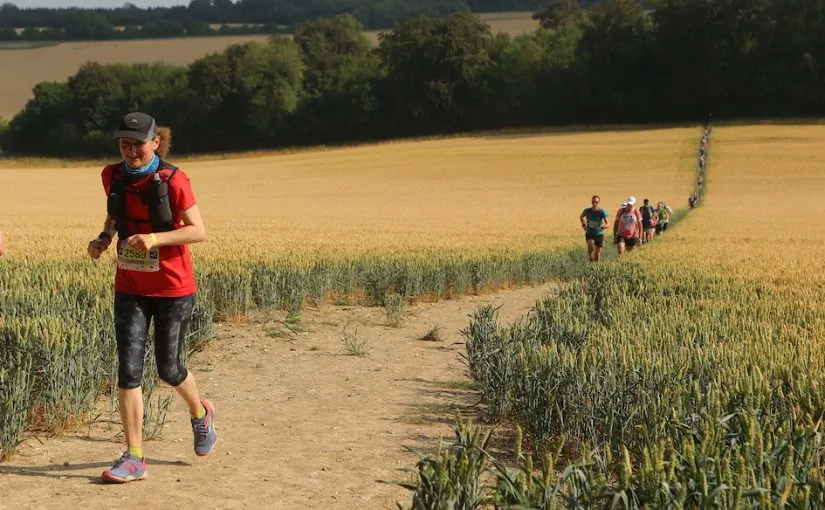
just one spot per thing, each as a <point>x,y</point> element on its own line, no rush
<point>25,45</point>
<point>28,67</point>
<point>460,193</point>
<point>759,172</point>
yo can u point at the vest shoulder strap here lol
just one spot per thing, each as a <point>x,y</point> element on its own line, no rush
<point>117,181</point>
<point>163,165</point>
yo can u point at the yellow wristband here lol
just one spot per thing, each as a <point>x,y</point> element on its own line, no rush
<point>155,242</point>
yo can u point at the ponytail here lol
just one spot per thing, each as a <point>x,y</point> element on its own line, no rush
<point>165,135</point>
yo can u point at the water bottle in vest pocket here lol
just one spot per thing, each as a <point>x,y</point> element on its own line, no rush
<point>160,209</point>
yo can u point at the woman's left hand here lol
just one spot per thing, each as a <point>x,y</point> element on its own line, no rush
<point>141,242</point>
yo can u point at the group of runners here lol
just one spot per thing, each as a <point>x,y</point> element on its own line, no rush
<point>632,227</point>
<point>701,165</point>
<point>635,227</point>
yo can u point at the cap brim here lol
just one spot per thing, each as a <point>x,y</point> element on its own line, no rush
<point>135,135</point>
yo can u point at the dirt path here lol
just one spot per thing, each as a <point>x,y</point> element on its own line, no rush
<point>300,424</point>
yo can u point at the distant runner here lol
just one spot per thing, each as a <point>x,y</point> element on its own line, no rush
<point>594,221</point>
<point>664,212</point>
<point>627,226</point>
<point>648,212</point>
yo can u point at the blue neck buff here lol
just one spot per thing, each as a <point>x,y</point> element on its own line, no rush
<point>144,170</point>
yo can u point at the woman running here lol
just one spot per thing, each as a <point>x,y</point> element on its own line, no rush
<point>152,210</point>
<point>594,221</point>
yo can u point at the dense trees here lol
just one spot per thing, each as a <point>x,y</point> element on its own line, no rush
<point>612,62</point>
<point>433,67</point>
<point>242,97</point>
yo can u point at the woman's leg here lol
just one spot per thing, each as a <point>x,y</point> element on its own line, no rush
<point>132,316</point>
<point>131,415</point>
<point>172,317</point>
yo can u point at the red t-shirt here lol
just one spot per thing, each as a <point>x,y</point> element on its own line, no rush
<point>176,276</point>
<point>628,221</point>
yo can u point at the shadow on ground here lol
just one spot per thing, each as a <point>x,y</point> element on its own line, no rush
<point>66,471</point>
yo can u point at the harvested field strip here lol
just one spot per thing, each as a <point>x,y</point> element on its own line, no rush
<point>45,62</point>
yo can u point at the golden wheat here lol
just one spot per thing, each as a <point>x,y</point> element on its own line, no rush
<point>760,217</point>
<point>458,194</point>
<point>693,367</point>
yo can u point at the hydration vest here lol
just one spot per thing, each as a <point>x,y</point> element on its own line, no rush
<point>156,197</point>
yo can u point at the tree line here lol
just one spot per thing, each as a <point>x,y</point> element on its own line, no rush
<point>612,63</point>
<point>241,17</point>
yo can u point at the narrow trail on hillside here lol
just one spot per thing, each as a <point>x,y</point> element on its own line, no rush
<point>300,423</point>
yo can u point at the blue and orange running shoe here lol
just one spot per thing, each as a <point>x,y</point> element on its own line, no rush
<point>126,469</point>
<point>204,430</point>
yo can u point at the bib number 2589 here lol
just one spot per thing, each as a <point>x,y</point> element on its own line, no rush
<point>134,260</point>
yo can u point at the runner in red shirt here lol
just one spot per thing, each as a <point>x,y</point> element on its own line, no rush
<point>153,211</point>
<point>627,226</point>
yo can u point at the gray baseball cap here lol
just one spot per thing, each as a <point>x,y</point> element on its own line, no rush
<point>138,126</point>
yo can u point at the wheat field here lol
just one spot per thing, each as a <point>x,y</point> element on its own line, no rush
<point>740,277</point>
<point>411,220</point>
<point>25,68</point>
<point>689,374</point>
<point>482,192</point>
<point>764,203</point>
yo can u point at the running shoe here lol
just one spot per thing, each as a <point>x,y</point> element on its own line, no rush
<point>204,431</point>
<point>126,469</point>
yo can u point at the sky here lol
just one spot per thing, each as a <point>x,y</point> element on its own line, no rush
<point>95,3</point>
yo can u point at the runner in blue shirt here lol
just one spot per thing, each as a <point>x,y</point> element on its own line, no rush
<point>594,221</point>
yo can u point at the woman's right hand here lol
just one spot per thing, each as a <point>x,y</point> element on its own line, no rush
<point>97,247</point>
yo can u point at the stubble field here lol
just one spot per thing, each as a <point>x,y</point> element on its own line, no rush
<point>28,67</point>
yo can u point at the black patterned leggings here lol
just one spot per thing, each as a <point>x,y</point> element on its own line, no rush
<point>132,316</point>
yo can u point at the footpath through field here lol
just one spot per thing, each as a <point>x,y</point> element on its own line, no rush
<point>300,423</point>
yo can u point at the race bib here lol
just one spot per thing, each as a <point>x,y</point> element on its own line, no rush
<point>134,260</point>
<point>594,224</point>
<point>628,220</point>
<point>627,225</point>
